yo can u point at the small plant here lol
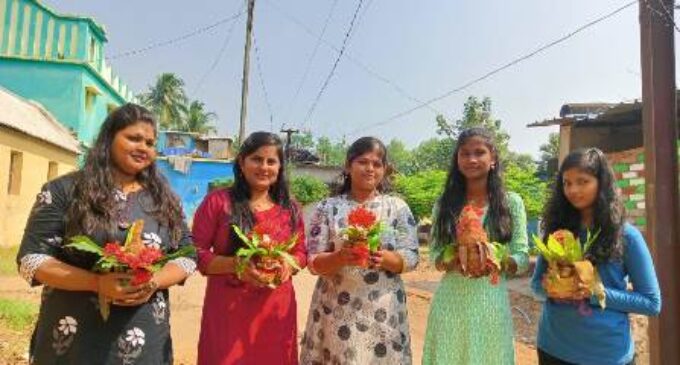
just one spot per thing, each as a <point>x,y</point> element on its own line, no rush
<point>266,253</point>
<point>133,257</point>
<point>570,276</point>
<point>307,189</point>
<point>362,233</point>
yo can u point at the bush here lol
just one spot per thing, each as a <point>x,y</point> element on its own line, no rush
<point>220,183</point>
<point>421,190</point>
<point>532,189</point>
<point>308,189</point>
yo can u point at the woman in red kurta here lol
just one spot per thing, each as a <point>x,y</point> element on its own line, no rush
<point>244,321</point>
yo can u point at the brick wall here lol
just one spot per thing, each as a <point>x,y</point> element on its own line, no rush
<point>629,170</point>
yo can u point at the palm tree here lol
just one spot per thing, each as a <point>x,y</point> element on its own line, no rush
<point>166,99</point>
<point>197,120</point>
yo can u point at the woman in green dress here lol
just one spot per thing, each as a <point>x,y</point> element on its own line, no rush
<point>470,320</point>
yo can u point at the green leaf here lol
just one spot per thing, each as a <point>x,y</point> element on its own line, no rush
<point>373,242</point>
<point>572,249</point>
<point>86,244</point>
<point>255,241</point>
<point>449,254</point>
<point>184,251</point>
<point>500,252</point>
<point>543,249</point>
<point>241,235</point>
<point>291,243</point>
<point>590,239</point>
<point>290,260</point>
<point>556,248</point>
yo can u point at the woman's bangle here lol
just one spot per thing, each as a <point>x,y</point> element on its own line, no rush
<point>152,285</point>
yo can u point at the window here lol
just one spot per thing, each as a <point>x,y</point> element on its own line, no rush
<point>15,165</point>
<point>52,170</point>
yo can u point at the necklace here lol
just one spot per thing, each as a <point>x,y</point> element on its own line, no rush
<point>124,209</point>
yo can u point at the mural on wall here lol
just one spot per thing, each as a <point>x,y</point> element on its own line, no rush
<point>192,186</point>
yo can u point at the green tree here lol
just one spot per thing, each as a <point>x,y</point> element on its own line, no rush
<point>476,113</point>
<point>421,190</point>
<point>400,157</point>
<point>524,182</point>
<point>522,160</point>
<point>166,99</point>
<point>197,119</point>
<point>433,154</point>
<point>550,152</point>
<point>331,154</point>
<point>308,189</point>
<point>302,140</point>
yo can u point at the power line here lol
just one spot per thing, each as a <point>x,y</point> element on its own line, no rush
<point>310,59</point>
<point>335,64</point>
<point>180,38</point>
<point>370,71</point>
<point>496,70</point>
<point>264,89</point>
<point>362,14</point>
<point>218,57</point>
<point>668,17</point>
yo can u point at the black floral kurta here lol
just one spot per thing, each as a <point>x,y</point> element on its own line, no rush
<point>70,329</point>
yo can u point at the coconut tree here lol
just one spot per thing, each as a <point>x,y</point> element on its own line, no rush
<point>166,99</point>
<point>197,119</point>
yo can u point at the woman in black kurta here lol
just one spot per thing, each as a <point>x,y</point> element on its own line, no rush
<point>70,329</point>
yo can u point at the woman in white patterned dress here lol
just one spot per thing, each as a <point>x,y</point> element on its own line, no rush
<point>358,315</point>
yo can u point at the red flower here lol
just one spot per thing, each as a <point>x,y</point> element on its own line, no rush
<point>562,235</point>
<point>361,217</point>
<point>362,252</point>
<point>112,249</point>
<point>141,276</point>
<point>494,278</point>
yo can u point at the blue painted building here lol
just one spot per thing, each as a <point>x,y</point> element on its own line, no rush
<point>192,184</point>
<point>58,60</point>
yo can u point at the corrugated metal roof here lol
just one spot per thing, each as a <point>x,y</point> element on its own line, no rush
<point>595,113</point>
<point>31,118</point>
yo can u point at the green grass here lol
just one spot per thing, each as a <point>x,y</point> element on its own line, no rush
<point>8,264</point>
<point>17,314</point>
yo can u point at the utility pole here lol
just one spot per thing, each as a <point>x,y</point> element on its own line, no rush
<point>246,71</point>
<point>289,132</point>
<point>661,171</point>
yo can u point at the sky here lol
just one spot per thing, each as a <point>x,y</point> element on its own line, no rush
<point>399,51</point>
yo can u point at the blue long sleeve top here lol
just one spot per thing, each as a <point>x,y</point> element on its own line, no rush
<point>603,337</point>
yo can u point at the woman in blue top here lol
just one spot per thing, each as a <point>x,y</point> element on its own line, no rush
<point>585,198</point>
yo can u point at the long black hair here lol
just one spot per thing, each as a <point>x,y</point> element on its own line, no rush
<point>94,206</point>
<point>608,210</point>
<point>358,148</point>
<point>453,199</point>
<point>241,213</point>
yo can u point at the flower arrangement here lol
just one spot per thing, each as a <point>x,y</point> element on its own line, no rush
<point>133,256</point>
<point>472,250</point>
<point>362,233</point>
<point>265,253</point>
<point>570,276</point>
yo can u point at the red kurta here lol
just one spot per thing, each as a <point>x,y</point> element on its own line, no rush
<point>243,324</point>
